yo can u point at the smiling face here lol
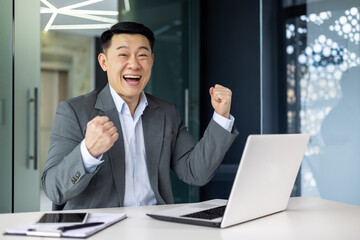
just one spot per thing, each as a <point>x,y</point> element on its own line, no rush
<point>128,62</point>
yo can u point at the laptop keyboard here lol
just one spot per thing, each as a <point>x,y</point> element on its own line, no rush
<point>208,214</point>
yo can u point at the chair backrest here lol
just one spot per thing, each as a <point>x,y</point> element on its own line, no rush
<point>56,207</point>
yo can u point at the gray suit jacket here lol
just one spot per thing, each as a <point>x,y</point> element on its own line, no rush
<point>167,142</point>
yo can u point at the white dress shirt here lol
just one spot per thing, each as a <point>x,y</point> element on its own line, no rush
<point>138,190</point>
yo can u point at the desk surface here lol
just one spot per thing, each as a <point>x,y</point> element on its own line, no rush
<point>305,218</point>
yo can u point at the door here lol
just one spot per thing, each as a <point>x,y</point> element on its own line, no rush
<point>6,118</point>
<point>19,101</point>
<point>26,101</point>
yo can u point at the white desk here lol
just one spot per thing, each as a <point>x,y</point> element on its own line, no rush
<point>306,218</point>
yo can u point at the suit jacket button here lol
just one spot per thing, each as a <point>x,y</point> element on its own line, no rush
<point>73,180</point>
<point>77,174</point>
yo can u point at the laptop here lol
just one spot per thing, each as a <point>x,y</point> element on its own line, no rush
<point>263,184</point>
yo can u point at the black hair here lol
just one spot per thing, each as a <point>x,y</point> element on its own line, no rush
<point>127,28</point>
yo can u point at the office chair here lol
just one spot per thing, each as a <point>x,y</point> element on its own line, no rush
<point>56,207</point>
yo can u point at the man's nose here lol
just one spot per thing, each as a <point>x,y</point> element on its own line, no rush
<point>134,63</point>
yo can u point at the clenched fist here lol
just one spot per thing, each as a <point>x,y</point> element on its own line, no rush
<point>100,136</point>
<point>221,100</point>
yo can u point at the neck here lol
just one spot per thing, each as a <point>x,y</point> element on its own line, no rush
<point>132,103</point>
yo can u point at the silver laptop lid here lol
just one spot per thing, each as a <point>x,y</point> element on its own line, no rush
<point>265,178</point>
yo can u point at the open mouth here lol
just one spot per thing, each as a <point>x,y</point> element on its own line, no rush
<point>131,79</point>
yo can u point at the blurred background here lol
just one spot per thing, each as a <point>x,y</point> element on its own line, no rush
<point>292,65</point>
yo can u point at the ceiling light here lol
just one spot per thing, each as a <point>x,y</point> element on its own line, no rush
<point>91,17</point>
<point>48,4</point>
<point>127,5</point>
<point>81,4</point>
<point>85,14</point>
<point>48,25</point>
<point>80,26</point>
<point>80,12</point>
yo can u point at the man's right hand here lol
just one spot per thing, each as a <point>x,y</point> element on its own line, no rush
<point>100,136</point>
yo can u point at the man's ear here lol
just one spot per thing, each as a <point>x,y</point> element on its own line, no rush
<point>152,56</point>
<point>102,61</point>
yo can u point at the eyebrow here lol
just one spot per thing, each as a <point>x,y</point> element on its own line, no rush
<point>141,47</point>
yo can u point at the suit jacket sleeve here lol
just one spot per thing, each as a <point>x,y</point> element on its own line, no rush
<point>64,174</point>
<point>195,163</point>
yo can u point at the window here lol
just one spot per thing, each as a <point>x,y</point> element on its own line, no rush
<point>322,89</point>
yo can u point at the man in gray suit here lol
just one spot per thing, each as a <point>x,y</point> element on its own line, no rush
<point>115,147</point>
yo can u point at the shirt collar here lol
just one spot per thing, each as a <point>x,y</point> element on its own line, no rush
<point>120,103</point>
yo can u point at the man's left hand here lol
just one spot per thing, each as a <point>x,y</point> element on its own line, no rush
<point>221,100</point>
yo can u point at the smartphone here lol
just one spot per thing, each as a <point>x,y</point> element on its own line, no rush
<point>63,218</point>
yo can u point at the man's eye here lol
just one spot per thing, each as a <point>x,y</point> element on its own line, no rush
<point>142,55</point>
<point>122,55</point>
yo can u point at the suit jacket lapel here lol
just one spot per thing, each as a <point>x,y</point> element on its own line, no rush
<point>153,128</point>
<point>106,104</point>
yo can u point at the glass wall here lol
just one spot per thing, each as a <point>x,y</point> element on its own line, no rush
<point>6,101</point>
<point>322,61</point>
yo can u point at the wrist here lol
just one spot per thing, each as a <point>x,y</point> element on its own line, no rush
<point>225,115</point>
